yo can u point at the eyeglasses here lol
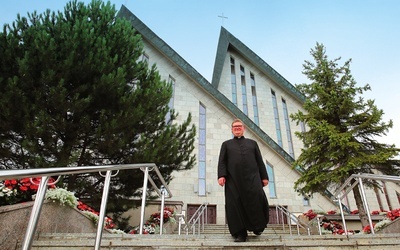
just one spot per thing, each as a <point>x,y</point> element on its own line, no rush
<point>237,126</point>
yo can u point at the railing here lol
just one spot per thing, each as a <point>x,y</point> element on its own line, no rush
<point>280,217</point>
<point>45,174</point>
<point>346,188</point>
<point>317,221</point>
<point>199,218</point>
<point>181,221</point>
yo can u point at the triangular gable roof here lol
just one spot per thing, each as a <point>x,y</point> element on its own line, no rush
<point>165,49</point>
<point>227,40</point>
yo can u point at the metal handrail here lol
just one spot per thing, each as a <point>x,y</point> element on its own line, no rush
<point>200,217</point>
<point>45,174</point>
<point>290,217</point>
<point>346,188</point>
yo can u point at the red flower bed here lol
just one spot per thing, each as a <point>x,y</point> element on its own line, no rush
<point>20,190</point>
<point>153,223</point>
<point>109,224</point>
<point>394,214</point>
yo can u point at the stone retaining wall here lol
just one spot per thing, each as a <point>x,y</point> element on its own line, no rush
<point>54,218</point>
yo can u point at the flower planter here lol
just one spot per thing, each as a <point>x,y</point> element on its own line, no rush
<point>54,218</point>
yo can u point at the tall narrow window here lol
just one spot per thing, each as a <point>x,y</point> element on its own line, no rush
<point>271,182</point>
<point>288,130</point>
<point>202,150</point>
<point>244,92</point>
<point>171,101</point>
<point>233,82</point>
<point>276,117</point>
<point>254,98</point>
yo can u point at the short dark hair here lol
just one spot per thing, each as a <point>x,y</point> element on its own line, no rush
<point>237,120</point>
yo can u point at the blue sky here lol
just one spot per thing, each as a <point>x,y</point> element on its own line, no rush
<point>281,32</point>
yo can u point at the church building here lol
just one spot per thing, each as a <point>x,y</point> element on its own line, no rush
<point>243,86</point>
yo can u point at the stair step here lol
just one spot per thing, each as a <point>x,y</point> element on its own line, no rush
<point>271,229</point>
<point>173,241</point>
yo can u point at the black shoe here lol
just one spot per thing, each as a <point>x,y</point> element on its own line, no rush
<point>240,238</point>
<point>257,233</point>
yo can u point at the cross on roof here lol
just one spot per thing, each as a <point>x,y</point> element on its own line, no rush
<point>223,17</point>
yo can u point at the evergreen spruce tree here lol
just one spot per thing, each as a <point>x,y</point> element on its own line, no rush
<point>74,92</point>
<point>342,131</point>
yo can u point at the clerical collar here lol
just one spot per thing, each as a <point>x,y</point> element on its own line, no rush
<point>239,137</point>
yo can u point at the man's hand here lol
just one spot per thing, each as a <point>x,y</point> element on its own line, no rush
<point>264,182</point>
<point>221,181</point>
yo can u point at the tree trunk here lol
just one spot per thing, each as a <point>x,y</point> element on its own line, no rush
<point>360,206</point>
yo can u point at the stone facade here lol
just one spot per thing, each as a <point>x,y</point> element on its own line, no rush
<point>192,90</point>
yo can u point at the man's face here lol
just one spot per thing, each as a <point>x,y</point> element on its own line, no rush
<point>237,129</point>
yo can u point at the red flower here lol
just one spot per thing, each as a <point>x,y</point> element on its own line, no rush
<point>394,214</point>
<point>326,225</point>
<point>10,183</point>
<point>354,212</point>
<point>367,229</point>
<point>337,224</point>
<point>26,180</point>
<point>340,231</point>
<point>310,214</point>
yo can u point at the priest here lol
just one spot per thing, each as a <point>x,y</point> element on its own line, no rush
<point>241,170</point>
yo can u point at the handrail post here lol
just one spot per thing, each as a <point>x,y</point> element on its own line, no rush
<point>37,207</point>
<point>145,180</point>
<point>162,209</point>
<point>342,215</point>
<point>100,223</point>
<point>319,226</point>
<point>203,220</point>
<point>364,199</point>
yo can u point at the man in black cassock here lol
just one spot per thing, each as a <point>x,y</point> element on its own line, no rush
<point>242,171</point>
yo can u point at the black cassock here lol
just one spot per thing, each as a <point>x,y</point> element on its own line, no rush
<point>246,205</point>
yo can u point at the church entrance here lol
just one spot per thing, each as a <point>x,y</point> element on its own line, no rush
<point>273,216</point>
<point>211,212</point>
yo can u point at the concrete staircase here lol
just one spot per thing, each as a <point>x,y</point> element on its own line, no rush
<point>218,237</point>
